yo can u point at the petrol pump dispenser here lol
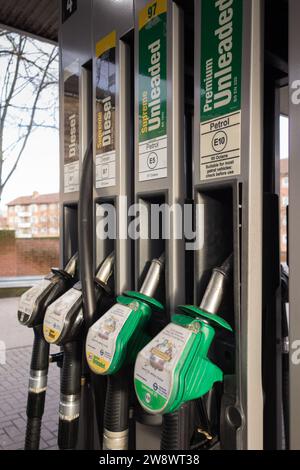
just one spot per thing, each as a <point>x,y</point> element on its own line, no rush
<point>174,368</point>
<point>63,326</point>
<point>113,130</point>
<point>32,307</point>
<point>228,188</point>
<point>160,164</point>
<point>111,348</point>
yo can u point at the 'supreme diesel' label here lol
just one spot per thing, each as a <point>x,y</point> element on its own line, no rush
<point>106,111</point>
<point>71,128</point>
<point>220,104</point>
<point>152,91</point>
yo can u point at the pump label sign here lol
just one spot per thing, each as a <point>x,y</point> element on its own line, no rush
<point>156,365</point>
<point>106,111</point>
<point>102,338</point>
<point>221,75</point>
<point>153,91</point>
<point>71,126</point>
<point>56,314</point>
<point>30,297</point>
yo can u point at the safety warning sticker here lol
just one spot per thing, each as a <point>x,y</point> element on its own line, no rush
<point>153,91</point>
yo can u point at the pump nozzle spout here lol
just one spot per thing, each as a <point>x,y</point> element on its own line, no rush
<point>215,290</point>
<point>151,281</point>
<point>72,264</point>
<point>106,268</point>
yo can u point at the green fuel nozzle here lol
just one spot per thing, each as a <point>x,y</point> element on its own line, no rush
<point>174,367</point>
<point>118,335</point>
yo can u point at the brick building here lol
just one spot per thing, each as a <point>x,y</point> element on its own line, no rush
<point>35,216</point>
<point>284,193</point>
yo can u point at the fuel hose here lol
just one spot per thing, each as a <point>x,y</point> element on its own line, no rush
<point>69,406</point>
<point>37,389</point>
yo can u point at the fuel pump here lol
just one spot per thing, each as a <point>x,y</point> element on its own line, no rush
<point>32,307</point>
<point>62,326</point>
<point>111,347</point>
<point>174,368</point>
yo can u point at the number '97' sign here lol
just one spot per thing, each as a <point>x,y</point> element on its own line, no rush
<point>68,8</point>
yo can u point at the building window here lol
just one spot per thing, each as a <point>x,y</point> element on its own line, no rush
<point>285,201</point>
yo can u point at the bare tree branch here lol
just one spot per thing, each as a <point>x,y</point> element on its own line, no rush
<point>30,69</point>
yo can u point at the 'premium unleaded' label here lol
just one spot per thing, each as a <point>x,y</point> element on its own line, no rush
<point>220,106</point>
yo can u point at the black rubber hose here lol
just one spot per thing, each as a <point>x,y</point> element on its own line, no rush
<point>116,412</point>
<point>85,235</point>
<point>36,399</point>
<point>176,429</point>
<point>70,388</point>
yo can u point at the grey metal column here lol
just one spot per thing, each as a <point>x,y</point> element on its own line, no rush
<point>75,51</point>
<point>159,156</point>
<point>294,222</point>
<point>113,130</point>
<point>228,187</point>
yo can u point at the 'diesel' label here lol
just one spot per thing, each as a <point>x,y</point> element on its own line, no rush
<point>102,337</point>
<point>56,313</point>
<point>156,364</point>
<point>29,298</point>
<point>71,128</point>
<point>152,83</point>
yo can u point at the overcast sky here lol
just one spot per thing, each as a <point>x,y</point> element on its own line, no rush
<point>38,169</point>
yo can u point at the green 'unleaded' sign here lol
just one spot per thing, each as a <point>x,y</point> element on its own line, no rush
<point>152,91</point>
<point>221,84</point>
<point>221,57</point>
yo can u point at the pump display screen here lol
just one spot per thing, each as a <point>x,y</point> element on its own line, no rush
<point>106,111</point>
<point>71,128</point>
